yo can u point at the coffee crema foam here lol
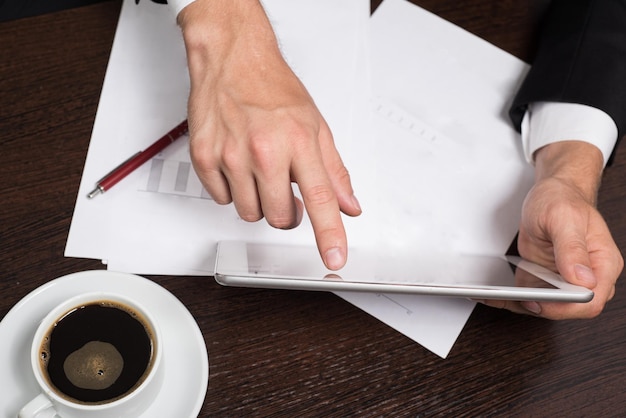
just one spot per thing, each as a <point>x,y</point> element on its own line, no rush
<point>96,365</point>
<point>98,352</point>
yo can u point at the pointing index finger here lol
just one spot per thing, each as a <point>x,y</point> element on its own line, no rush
<point>322,206</point>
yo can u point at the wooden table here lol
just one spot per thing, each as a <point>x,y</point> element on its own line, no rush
<point>284,352</point>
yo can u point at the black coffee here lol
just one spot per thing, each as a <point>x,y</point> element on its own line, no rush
<point>97,353</point>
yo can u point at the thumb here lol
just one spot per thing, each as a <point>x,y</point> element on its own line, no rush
<point>572,258</point>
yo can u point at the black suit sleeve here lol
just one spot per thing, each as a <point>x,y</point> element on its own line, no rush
<point>581,58</point>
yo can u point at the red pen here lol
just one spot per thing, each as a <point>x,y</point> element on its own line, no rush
<point>137,160</point>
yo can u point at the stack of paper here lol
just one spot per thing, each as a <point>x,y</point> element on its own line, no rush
<point>433,159</point>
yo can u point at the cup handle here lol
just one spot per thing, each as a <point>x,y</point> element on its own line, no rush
<point>39,407</point>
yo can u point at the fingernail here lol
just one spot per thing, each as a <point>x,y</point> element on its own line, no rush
<point>356,203</point>
<point>585,275</point>
<point>334,258</point>
<point>533,307</point>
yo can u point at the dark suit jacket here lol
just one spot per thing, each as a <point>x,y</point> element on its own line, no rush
<point>581,59</point>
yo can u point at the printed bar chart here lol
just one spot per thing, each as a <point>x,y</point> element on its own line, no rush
<point>174,177</point>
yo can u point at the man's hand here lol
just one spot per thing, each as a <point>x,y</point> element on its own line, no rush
<point>255,129</point>
<point>561,229</point>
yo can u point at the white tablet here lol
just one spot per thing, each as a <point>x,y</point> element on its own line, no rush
<point>272,266</point>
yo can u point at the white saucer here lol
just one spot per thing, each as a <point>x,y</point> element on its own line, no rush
<point>187,365</point>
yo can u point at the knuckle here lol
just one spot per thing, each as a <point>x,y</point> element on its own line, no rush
<point>262,150</point>
<point>301,132</point>
<point>250,216</point>
<point>202,157</point>
<point>219,195</point>
<point>281,221</point>
<point>231,156</point>
<point>574,246</point>
<point>203,154</point>
<point>221,200</point>
<point>320,195</point>
<point>342,174</point>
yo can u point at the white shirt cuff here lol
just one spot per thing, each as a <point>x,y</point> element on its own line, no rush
<point>178,5</point>
<point>548,122</point>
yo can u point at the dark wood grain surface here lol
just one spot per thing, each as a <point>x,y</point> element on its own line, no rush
<point>285,352</point>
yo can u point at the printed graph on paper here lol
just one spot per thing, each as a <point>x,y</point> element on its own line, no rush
<point>171,172</point>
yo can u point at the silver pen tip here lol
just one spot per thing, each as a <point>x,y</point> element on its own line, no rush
<point>94,192</point>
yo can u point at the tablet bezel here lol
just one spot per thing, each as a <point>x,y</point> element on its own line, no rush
<point>232,269</point>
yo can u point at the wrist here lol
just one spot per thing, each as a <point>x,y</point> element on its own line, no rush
<point>576,163</point>
<point>216,29</point>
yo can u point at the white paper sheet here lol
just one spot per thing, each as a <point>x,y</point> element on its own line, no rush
<point>448,167</point>
<point>429,78</point>
<point>144,95</point>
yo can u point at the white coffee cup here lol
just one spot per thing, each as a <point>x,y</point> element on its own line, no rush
<point>53,402</point>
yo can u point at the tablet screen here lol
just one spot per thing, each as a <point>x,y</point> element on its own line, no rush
<point>300,267</point>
